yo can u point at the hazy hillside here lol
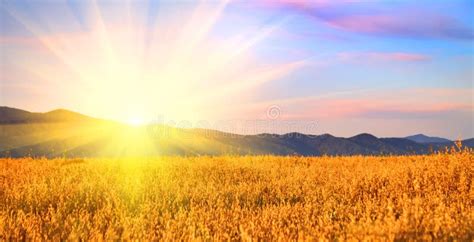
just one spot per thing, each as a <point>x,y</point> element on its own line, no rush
<point>65,133</point>
<point>17,116</point>
<point>421,138</point>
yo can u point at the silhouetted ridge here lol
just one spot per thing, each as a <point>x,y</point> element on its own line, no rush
<point>12,115</point>
<point>421,138</point>
<point>63,133</point>
<point>364,136</point>
<point>17,116</point>
<point>64,115</point>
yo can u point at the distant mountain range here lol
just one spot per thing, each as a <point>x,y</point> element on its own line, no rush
<point>421,138</point>
<point>17,116</point>
<point>64,133</point>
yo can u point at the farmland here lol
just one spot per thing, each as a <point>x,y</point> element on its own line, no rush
<point>239,197</point>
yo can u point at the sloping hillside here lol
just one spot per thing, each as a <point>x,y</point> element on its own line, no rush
<point>65,133</point>
<point>17,116</point>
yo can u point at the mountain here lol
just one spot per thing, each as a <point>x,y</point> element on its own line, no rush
<point>423,139</point>
<point>468,142</point>
<point>62,133</point>
<point>17,116</point>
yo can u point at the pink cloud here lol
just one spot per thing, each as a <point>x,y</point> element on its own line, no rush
<point>382,112</point>
<point>383,56</point>
<point>388,104</point>
<point>397,22</point>
<point>375,108</point>
<point>408,24</point>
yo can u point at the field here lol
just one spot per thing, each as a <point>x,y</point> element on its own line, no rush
<point>239,198</point>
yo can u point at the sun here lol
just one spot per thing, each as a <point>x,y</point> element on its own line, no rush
<point>136,121</point>
<point>155,70</point>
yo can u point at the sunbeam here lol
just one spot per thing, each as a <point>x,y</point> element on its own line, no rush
<point>182,70</point>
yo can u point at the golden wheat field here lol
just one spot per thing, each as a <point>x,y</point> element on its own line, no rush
<point>239,198</point>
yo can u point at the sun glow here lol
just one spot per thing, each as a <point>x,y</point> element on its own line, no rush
<point>175,68</point>
<point>136,121</point>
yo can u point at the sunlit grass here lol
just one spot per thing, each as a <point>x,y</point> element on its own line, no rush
<point>260,197</point>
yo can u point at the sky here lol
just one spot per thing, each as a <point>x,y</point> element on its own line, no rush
<point>389,68</point>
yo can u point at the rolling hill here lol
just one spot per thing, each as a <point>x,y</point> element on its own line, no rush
<point>64,133</point>
<point>421,138</point>
<point>17,116</point>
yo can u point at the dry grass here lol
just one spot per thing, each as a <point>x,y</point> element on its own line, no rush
<point>239,198</point>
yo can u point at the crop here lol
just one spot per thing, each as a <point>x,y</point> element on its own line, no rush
<point>427,197</point>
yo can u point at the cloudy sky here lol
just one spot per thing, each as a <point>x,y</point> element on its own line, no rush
<point>390,68</point>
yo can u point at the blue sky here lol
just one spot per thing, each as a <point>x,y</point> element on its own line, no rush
<point>391,68</point>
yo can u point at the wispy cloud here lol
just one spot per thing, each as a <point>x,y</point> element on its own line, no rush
<point>383,56</point>
<point>404,25</point>
<point>376,108</point>
<point>388,104</point>
<point>356,17</point>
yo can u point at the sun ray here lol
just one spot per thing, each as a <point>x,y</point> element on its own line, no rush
<point>185,67</point>
<point>53,47</point>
